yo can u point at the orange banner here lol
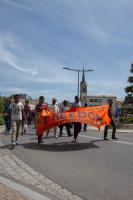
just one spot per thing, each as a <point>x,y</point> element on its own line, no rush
<point>95,116</point>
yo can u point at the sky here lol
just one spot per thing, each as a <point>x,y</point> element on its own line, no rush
<point>40,37</point>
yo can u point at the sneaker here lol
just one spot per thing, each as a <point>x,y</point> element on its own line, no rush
<point>70,135</point>
<point>56,136</point>
<point>40,141</point>
<point>106,139</point>
<point>114,138</point>
<point>75,140</point>
<point>17,142</point>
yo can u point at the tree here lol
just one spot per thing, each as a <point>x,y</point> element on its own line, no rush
<point>127,108</point>
<point>130,79</point>
<point>131,68</point>
<point>129,89</point>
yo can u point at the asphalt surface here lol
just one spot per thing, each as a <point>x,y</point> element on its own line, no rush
<point>92,169</point>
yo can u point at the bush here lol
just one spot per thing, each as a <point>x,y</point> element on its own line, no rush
<point>1,120</point>
<point>126,119</point>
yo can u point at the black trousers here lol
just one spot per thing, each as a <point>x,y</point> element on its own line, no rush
<point>77,129</point>
<point>8,123</point>
<point>85,126</point>
<point>67,128</point>
<point>112,123</point>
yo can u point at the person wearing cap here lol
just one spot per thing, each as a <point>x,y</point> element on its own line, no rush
<point>77,125</point>
<point>55,108</point>
<point>112,122</point>
<point>67,125</point>
<point>39,108</point>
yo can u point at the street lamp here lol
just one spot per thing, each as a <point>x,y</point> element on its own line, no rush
<point>78,70</point>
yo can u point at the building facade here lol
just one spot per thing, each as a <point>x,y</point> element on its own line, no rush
<point>94,100</point>
<point>98,100</point>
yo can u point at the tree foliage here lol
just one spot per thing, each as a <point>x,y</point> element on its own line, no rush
<point>130,79</point>
<point>131,70</point>
<point>129,89</point>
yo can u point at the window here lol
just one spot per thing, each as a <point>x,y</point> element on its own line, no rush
<point>91,100</point>
<point>99,100</point>
<point>95,100</point>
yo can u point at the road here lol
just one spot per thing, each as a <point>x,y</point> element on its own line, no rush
<point>93,169</point>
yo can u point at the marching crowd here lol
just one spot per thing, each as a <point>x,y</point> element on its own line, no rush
<point>17,115</point>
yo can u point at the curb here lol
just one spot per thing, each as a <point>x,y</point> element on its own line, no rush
<point>25,191</point>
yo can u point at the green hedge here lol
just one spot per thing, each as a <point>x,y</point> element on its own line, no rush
<point>1,119</point>
<point>126,119</point>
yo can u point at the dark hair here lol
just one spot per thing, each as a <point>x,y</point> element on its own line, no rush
<point>41,97</point>
<point>16,95</point>
<point>76,97</point>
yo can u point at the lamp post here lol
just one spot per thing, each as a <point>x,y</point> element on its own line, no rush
<point>78,70</point>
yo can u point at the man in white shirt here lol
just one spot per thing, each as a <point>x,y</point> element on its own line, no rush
<point>55,107</point>
<point>17,113</point>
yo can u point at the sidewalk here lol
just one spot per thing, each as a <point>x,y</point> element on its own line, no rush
<point>10,190</point>
<point>23,182</point>
<point>8,193</point>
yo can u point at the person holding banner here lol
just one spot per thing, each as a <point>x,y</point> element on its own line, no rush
<point>55,108</point>
<point>112,122</point>
<point>85,125</point>
<point>67,125</point>
<point>39,108</point>
<point>77,125</point>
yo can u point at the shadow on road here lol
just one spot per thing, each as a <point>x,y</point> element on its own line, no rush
<point>62,146</point>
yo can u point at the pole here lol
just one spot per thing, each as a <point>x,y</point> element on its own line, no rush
<point>78,83</point>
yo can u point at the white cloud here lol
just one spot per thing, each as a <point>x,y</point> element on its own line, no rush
<point>6,56</point>
<point>48,70</point>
